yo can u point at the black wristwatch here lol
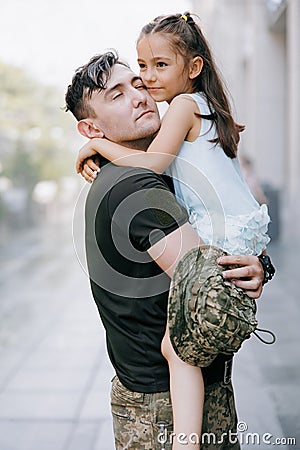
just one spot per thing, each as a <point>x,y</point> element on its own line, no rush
<point>269,269</point>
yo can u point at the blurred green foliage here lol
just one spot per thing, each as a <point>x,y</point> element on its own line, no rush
<point>37,138</point>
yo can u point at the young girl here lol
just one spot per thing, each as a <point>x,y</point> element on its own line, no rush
<point>197,142</point>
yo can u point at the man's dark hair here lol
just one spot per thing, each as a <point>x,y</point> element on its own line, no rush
<point>91,77</point>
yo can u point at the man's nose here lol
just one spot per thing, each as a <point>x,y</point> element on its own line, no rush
<point>139,97</point>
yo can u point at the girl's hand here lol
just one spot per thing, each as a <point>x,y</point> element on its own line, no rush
<point>86,152</point>
<point>90,169</point>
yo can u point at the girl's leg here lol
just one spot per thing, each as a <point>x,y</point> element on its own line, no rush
<point>187,395</point>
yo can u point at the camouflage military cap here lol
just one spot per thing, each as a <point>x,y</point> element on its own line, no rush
<point>207,314</point>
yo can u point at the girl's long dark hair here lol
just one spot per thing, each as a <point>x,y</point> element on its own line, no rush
<point>186,37</point>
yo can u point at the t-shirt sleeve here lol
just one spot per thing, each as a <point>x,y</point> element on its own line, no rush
<point>142,205</point>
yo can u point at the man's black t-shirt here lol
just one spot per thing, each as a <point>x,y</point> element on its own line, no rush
<point>127,211</point>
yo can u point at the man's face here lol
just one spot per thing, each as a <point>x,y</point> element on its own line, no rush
<point>125,111</point>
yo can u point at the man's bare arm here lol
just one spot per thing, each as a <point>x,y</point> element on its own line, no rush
<point>169,250</point>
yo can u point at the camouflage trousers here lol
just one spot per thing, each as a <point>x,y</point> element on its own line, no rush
<point>144,421</point>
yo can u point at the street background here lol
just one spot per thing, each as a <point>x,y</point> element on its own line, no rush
<point>54,372</point>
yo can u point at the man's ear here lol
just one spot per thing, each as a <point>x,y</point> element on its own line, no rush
<point>196,66</point>
<point>88,129</point>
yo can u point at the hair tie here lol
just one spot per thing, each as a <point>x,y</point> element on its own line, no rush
<point>184,18</point>
<point>152,21</point>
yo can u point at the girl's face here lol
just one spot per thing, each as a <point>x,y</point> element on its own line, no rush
<point>164,72</point>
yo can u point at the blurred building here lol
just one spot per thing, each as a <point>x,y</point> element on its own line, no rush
<point>257,48</point>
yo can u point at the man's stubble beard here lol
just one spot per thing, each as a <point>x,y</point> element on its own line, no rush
<point>140,144</point>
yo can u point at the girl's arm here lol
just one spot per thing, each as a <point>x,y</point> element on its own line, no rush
<point>176,125</point>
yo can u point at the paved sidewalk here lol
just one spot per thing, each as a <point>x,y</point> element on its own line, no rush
<point>54,372</point>
<point>267,378</point>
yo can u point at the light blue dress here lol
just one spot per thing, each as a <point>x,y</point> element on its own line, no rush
<point>220,204</point>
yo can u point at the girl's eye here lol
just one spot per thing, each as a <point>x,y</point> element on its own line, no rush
<point>142,66</point>
<point>161,64</point>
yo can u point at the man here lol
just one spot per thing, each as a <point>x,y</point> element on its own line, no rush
<point>136,233</point>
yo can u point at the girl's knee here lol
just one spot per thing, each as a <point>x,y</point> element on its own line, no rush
<point>166,346</point>
<point>168,351</point>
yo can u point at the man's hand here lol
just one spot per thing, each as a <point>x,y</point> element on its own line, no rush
<point>248,277</point>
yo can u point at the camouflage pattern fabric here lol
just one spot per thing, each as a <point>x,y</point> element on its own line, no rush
<point>144,421</point>
<point>207,314</point>
<point>138,418</point>
<point>219,425</point>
